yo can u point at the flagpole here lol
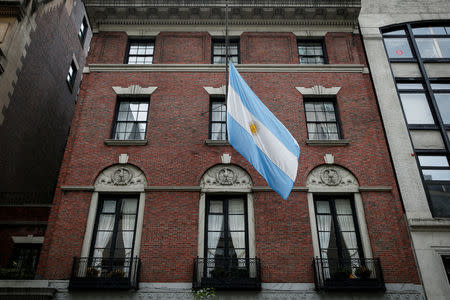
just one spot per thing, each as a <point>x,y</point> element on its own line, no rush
<point>226,49</point>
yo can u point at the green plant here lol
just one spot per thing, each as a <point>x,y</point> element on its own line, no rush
<point>363,272</point>
<point>205,293</point>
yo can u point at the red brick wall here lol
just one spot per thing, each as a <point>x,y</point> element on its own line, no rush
<point>268,48</point>
<point>183,48</point>
<point>176,154</point>
<point>108,47</point>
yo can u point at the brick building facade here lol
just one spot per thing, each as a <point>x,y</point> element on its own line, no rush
<point>152,198</point>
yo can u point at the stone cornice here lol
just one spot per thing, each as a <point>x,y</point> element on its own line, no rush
<point>262,68</point>
<point>429,224</point>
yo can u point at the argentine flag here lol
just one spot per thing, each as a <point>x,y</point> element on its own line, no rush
<point>260,137</point>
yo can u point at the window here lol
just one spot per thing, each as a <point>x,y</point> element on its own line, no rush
<point>337,228</point>
<point>140,52</point>
<point>131,119</point>
<point>311,52</point>
<point>218,120</point>
<point>446,261</point>
<point>321,120</point>
<point>442,95</point>
<point>433,41</point>
<point>83,31</point>
<point>72,75</point>
<point>113,239</point>
<point>24,260</point>
<point>226,239</point>
<point>436,174</point>
<point>219,51</point>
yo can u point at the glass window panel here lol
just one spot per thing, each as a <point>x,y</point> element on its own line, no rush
<point>312,127</point>
<point>328,106</point>
<point>346,223</point>
<point>440,86</point>
<point>443,102</point>
<point>148,60</point>
<point>140,60</point>
<point>142,116</point>
<point>396,32</point>
<point>237,240</point>
<point>343,206</point>
<point>236,206</point>
<point>410,86</point>
<point>353,254</point>
<point>132,116</point>
<point>349,239</point>
<point>438,175</point>
<point>434,48</point>
<point>330,116</point>
<point>143,107</point>
<point>429,30</point>
<point>132,60</point>
<point>398,48</point>
<point>219,59</point>
<point>129,206</point>
<point>333,136</point>
<point>103,239</point>
<point>309,106</point>
<point>141,50</point>
<point>416,109</point>
<point>320,116</point>
<point>219,49</point>
<point>130,127</point>
<point>128,222</point>
<point>234,59</point>
<point>109,206</point>
<point>439,196</point>
<point>323,207</point>
<point>134,106</point>
<point>142,127</point>
<point>310,116</point>
<point>233,50</point>
<point>124,106</point>
<point>324,223</point>
<point>213,240</point>
<point>121,127</point>
<point>332,128</point>
<point>216,207</point>
<point>119,136</point>
<point>106,222</point>
<point>122,116</point>
<point>133,49</point>
<point>127,238</point>
<point>97,253</point>
<point>433,161</point>
<point>236,222</point>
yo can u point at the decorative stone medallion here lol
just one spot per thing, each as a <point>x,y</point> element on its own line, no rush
<point>225,177</point>
<point>121,175</point>
<point>330,177</point>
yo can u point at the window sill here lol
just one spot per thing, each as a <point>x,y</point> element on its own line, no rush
<point>327,142</point>
<point>210,142</point>
<point>111,142</point>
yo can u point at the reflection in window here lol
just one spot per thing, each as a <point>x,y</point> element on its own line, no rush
<point>434,47</point>
<point>443,102</point>
<point>131,120</point>
<point>398,48</point>
<point>321,120</point>
<point>416,109</point>
<point>436,173</point>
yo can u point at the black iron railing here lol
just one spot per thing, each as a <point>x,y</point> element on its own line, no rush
<point>16,270</point>
<point>227,273</point>
<point>348,274</point>
<point>105,273</point>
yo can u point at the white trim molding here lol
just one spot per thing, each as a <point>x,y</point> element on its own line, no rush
<point>134,90</point>
<point>215,91</point>
<point>29,239</point>
<point>319,90</point>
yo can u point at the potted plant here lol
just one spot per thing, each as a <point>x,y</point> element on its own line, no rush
<point>363,272</point>
<point>342,274</point>
<point>91,272</point>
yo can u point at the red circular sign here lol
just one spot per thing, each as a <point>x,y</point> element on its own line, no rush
<point>399,52</point>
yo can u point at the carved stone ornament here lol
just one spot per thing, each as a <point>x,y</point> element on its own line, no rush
<point>331,176</point>
<point>226,176</point>
<point>121,175</point>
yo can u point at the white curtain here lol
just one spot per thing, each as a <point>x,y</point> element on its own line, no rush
<point>324,227</point>
<point>345,219</point>
<point>236,222</point>
<point>215,226</point>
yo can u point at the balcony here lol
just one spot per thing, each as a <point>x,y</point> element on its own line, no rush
<point>105,273</point>
<point>227,273</point>
<point>347,275</point>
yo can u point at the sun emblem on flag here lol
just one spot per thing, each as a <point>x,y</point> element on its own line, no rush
<point>253,127</point>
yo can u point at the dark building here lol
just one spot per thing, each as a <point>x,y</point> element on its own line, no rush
<point>43,48</point>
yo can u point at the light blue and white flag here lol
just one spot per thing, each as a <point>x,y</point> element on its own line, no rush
<point>260,137</point>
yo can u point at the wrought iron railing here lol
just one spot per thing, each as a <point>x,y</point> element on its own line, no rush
<point>227,273</point>
<point>16,270</point>
<point>105,273</point>
<point>348,274</point>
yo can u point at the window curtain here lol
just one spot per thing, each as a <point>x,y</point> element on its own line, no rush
<point>215,226</point>
<point>236,221</point>
<point>324,228</point>
<point>104,235</point>
<point>347,228</point>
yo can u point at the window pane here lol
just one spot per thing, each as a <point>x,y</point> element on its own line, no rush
<point>343,206</point>
<point>106,222</point>
<point>109,206</point>
<point>215,207</point>
<point>434,48</point>
<point>443,102</point>
<point>440,197</point>
<point>396,32</point>
<point>433,161</point>
<point>416,109</point>
<point>438,175</point>
<point>129,206</point>
<point>235,206</point>
<point>440,86</point>
<point>133,49</point>
<point>429,30</point>
<point>310,116</point>
<point>409,86</point>
<point>122,116</point>
<point>398,48</point>
<point>323,207</point>
<point>236,222</point>
<point>142,116</point>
